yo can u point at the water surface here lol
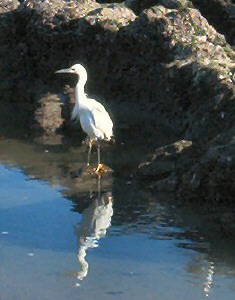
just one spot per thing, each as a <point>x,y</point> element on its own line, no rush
<point>66,235</point>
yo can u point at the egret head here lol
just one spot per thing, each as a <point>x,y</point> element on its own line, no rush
<point>77,69</point>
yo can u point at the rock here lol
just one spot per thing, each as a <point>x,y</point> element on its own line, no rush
<point>171,150</point>
<point>48,114</point>
<point>228,221</point>
<point>166,185</point>
<point>163,162</point>
<point>8,6</point>
<point>213,175</point>
<point>162,67</point>
<point>156,170</point>
<point>139,5</point>
<point>221,14</point>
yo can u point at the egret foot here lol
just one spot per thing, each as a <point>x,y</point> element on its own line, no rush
<point>100,169</point>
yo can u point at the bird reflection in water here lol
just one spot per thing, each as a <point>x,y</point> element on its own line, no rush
<point>96,221</point>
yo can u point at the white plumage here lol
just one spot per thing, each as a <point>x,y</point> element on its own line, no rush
<point>95,120</point>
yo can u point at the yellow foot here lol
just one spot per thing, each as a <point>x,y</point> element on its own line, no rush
<point>100,169</point>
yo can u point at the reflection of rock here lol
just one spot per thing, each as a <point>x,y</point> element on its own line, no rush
<point>207,271</point>
<point>96,221</point>
<point>209,279</point>
<point>61,165</point>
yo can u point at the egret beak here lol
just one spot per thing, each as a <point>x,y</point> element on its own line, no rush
<point>63,71</point>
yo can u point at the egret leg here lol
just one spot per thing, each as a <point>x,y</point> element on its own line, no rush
<point>99,165</point>
<point>98,151</point>
<point>89,152</point>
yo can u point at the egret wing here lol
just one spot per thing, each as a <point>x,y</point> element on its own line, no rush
<point>101,118</point>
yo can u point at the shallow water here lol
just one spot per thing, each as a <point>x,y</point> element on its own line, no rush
<point>66,235</point>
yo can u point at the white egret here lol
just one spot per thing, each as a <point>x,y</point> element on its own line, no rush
<point>95,120</point>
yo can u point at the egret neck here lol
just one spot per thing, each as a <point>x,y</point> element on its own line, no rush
<point>80,97</point>
<point>79,89</point>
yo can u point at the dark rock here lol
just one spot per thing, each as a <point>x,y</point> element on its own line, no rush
<point>212,176</point>
<point>166,185</point>
<point>156,170</point>
<point>163,167</point>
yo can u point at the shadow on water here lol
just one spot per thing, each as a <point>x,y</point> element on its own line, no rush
<point>113,206</point>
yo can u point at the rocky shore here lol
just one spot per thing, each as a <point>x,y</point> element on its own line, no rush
<point>161,67</point>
